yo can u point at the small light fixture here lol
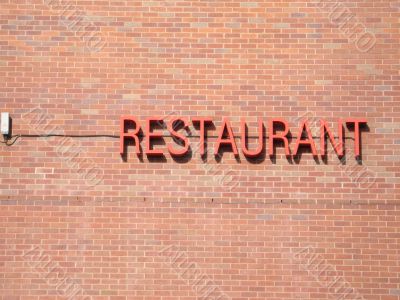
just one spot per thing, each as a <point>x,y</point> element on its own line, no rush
<point>5,124</point>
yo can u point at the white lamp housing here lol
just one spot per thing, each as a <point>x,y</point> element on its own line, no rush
<point>5,123</point>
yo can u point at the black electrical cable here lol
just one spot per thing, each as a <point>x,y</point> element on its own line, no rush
<point>15,137</point>
<point>68,135</point>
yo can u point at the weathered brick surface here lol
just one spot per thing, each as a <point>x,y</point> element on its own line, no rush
<point>75,68</point>
<point>248,251</point>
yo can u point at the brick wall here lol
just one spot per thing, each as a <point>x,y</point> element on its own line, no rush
<point>80,219</point>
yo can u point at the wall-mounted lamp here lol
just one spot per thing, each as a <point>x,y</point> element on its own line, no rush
<point>5,124</point>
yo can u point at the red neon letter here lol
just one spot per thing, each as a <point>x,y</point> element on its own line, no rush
<point>324,131</point>
<point>133,135</point>
<point>260,148</point>
<point>228,141</point>
<point>179,136</point>
<point>203,134</point>
<point>357,135</point>
<point>281,137</point>
<point>152,135</point>
<point>307,142</point>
